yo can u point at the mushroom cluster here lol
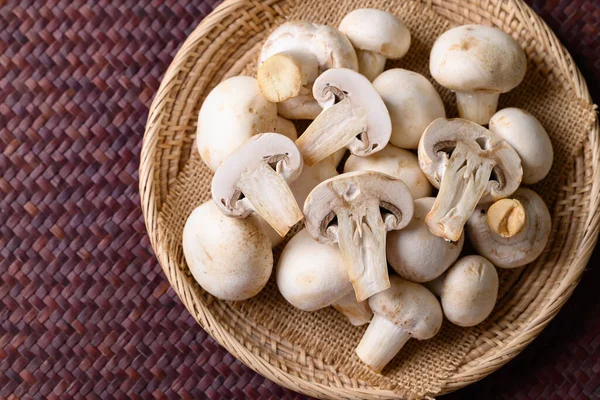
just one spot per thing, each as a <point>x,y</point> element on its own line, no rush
<point>384,230</point>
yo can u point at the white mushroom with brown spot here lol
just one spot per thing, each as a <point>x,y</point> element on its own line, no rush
<point>529,138</point>
<point>469,164</point>
<point>397,163</point>
<point>292,57</point>
<point>376,35</point>
<point>254,178</point>
<point>412,108</point>
<point>353,116</point>
<point>311,276</point>
<point>478,63</point>
<point>415,253</point>
<point>405,310</point>
<point>230,258</point>
<point>512,233</point>
<point>356,210</point>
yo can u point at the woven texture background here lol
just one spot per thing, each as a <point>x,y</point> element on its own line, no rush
<point>85,309</point>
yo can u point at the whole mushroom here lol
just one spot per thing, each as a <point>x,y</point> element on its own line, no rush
<point>468,164</point>
<point>514,234</point>
<point>478,63</point>
<point>230,258</point>
<point>376,36</point>
<point>405,310</point>
<point>286,128</point>
<point>311,276</point>
<point>310,177</point>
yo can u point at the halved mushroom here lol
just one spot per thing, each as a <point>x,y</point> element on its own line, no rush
<point>376,35</point>
<point>516,235</point>
<point>292,58</point>
<point>311,276</point>
<point>254,178</point>
<point>354,116</point>
<point>467,163</point>
<point>356,210</point>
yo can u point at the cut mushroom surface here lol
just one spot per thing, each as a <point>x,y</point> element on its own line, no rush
<point>255,177</point>
<point>468,163</point>
<point>356,210</point>
<point>353,116</point>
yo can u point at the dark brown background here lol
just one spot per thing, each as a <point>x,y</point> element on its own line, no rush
<point>85,310</point>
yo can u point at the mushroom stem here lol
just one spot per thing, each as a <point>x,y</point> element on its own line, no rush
<point>284,75</point>
<point>370,64</point>
<point>270,196</point>
<point>357,313</point>
<point>334,128</point>
<point>477,106</point>
<point>361,237</point>
<point>506,217</point>
<point>463,184</point>
<point>381,342</point>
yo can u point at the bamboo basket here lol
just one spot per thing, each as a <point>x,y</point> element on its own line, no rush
<point>313,353</point>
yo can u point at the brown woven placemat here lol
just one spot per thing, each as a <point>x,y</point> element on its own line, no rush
<point>85,310</point>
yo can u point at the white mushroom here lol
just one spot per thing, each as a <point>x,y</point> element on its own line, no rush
<point>310,177</point>
<point>529,138</point>
<point>376,35</point>
<point>286,128</point>
<point>311,276</point>
<point>415,253</point>
<point>405,310</point>
<point>478,63</point>
<point>230,258</point>
<point>517,235</point>
<point>354,116</point>
<point>232,112</point>
<point>397,163</point>
<point>467,163</point>
<point>292,58</point>
<point>254,178</point>
<point>411,109</point>
<point>469,291</point>
<point>356,210</point>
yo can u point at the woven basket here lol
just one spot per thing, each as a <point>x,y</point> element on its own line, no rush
<point>313,352</point>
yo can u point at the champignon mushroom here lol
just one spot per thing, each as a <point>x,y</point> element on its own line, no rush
<point>292,58</point>
<point>529,138</point>
<point>286,128</point>
<point>397,163</point>
<point>478,63</point>
<point>310,177</point>
<point>405,310</point>
<point>467,163</point>
<point>354,116</point>
<point>311,276</point>
<point>376,36</point>
<point>254,178</point>
<point>356,210</point>
<point>469,291</point>
<point>415,253</point>
<point>230,258</point>
<point>411,109</point>
<point>503,243</point>
<point>233,111</point>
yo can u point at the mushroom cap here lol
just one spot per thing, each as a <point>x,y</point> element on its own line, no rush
<point>232,112</point>
<point>415,253</point>
<point>397,163</point>
<point>529,138</point>
<point>266,147</point>
<point>411,109</point>
<point>410,306</point>
<point>470,291</point>
<point>333,83</point>
<point>311,275</point>
<point>442,135</point>
<point>477,58</point>
<point>286,128</point>
<point>518,250</point>
<point>230,258</point>
<point>377,31</point>
<point>310,177</point>
<point>356,190</point>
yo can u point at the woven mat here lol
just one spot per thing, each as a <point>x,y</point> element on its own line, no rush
<point>85,309</point>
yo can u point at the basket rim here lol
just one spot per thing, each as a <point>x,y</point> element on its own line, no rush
<point>151,207</point>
